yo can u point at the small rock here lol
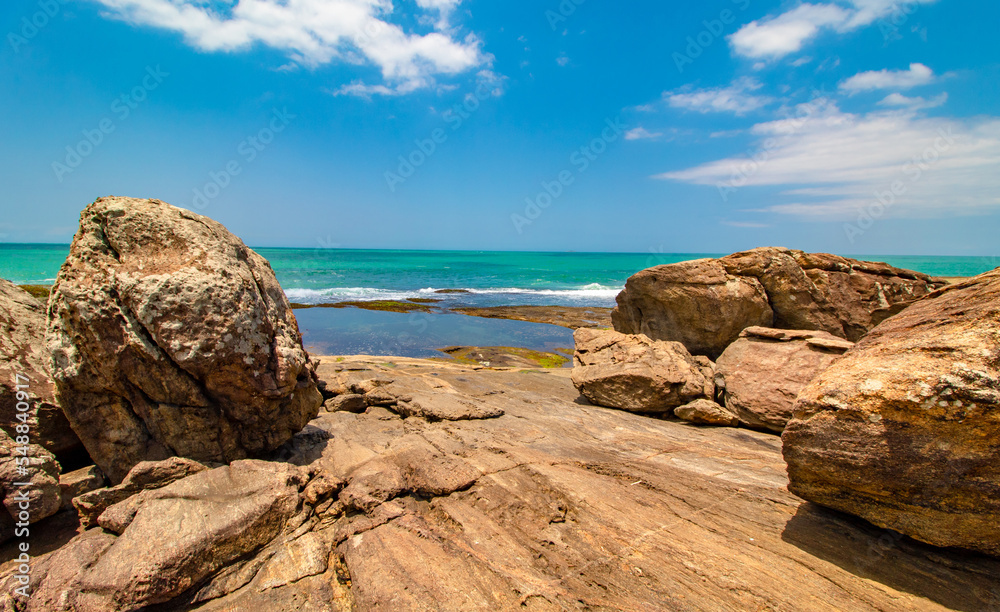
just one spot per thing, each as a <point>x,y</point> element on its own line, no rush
<point>76,483</point>
<point>349,402</point>
<point>634,373</point>
<point>706,412</point>
<point>436,406</point>
<point>305,556</point>
<point>39,470</point>
<point>379,396</point>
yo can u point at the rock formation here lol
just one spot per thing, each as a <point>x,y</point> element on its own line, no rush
<point>634,373</point>
<point>904,430</point>
<point>29,483</point>
<point>697,303</point>
<point>158,544</point>
<point>170,337</point>
<point>23,351</point>
<point>705,304</point>
<point>555,505</point>
<point>759,376</point>
<point>145,476</point>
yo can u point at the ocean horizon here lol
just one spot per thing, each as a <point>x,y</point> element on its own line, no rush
<point>483,278</point>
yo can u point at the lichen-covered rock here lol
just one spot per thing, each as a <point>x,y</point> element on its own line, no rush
<point>171,337</point>
<point>23,352</point>
<point>705,304</point>
<point>904,430</point>
<point>634,373</point>
<point>759,376</point>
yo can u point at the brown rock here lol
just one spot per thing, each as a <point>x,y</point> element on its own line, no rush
<point>704,304</point>
<point>76,483</point>
<point>759,376</point>
<point>696,303</point>
<point>23,351</point>
<point>174,537</point>
<point>818,291</point>
<point>144,476</point>
<point>348,402</point>
<point>706,412</point>
<point>445,407</point>
<point>904,430</point>
<point>555,505</point>
<point>56,577</point>
<point>171,337</point>
<point>634,373</point>
<point>38,469</point>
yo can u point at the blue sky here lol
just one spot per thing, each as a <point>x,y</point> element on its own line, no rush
<point>849,126</point>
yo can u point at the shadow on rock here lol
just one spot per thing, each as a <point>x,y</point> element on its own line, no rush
<point>956,579</point>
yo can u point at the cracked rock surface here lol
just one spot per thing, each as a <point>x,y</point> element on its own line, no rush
<point>170,337</point>
<point>548,504</point>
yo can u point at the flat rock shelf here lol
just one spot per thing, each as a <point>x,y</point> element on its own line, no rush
<point>560,505</point>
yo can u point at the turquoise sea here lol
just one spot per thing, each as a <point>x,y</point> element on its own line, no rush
<point>326,275</point>
<point>314,276</point>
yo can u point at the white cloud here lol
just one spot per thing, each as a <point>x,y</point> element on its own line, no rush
<point>562,60</point>
<point>316,32</point>
<point>779,35</point>
<point>641,133</point>
<point>833,163</point>
<point>918,74</point>
<point>736,98</point>
<point>901,101</point>
<point>444,9</point>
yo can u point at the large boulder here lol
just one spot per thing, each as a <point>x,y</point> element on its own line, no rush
<point>170,337</point>
<point>696,303</point>
<point>759,376</point>
<point>23,352</point>
<point>634,373</point>
<point>904,430</point>
<point>705,304</point>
